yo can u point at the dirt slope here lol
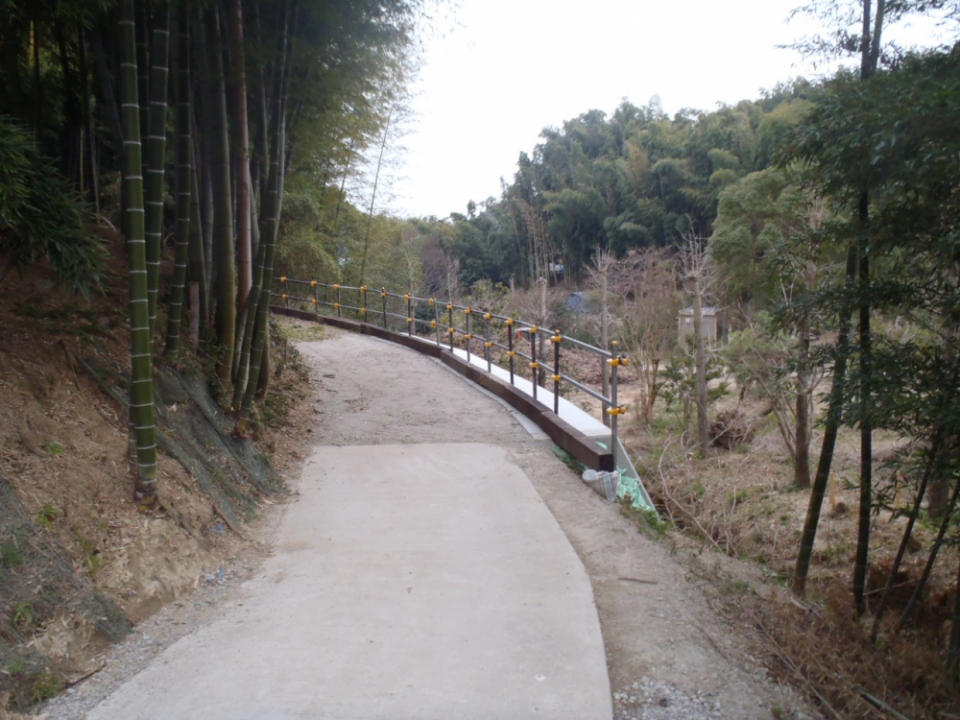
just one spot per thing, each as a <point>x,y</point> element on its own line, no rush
<point>69,533</point>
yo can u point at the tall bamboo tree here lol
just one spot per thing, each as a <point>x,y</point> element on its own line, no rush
<point>141,357</point>
<point>198,271</point>
<point>240,142</point>
<point>269,223</point>
<point>223,247</point>
<point>156,154</point>
<point>857,268</point>
<point>268,238</point>
<point>249,325</point>
<point>870,55</point>
<point>184,184</point>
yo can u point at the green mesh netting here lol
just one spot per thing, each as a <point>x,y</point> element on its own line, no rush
<point>193,430</point>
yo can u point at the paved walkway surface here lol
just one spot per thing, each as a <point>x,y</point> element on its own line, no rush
<point>418,580</point>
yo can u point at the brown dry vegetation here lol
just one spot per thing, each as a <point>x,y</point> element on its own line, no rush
<point>745,515</point>
<point>63,450</point>
<point>743,504</point>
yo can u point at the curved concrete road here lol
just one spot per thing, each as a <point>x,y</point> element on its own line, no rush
<point>418,580</point>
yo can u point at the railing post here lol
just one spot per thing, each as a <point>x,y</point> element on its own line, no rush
<point>510,351</point>
<point>614,410</point>
<point>316,297</point>
<point>450,324</point>
<point>468,313</point>
<point>557,337</point>
<point>542,376</point>
<point>436,318</point>
<point>533,358</point>
<point>383,297</point>
<point>286,301</point>
<point>487,343</point>
<point>336,305</point>
<point>409,316</point>
<point>363,304</point>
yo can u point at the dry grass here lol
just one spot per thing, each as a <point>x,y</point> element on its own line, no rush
<point>825,650</point>
<point>743,505</point>
<point>744,510</point>
<point>63,450</point>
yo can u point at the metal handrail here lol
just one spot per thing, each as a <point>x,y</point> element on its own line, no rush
<point>537,360</point>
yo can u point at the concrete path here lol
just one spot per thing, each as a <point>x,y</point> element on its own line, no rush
<point>411,581</point>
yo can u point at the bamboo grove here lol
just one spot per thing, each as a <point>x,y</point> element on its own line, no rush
<point>180,121</point>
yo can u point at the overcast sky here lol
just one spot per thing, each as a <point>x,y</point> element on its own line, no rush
<point>509,68</point>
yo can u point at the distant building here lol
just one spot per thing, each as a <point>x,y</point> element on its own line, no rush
<point>713,329</point>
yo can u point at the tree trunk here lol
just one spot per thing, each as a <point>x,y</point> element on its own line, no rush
<point>866,429</point>
<point>905,539</point>
<point>268,236</point>
<point>71,138</point>
<point>141,357</point>
<point>184,185</point>
<point>226,283</point>
<point>269,223</point>
<point>111,109</point>
<point>143,74</point>
<point>931,557</point>
<point>373,199</point>
<point>156,155</point>
<point>801,457</point>
<point>834,417</point>
<point>249,328</point>
<point>261,159</point>
<point>703,423</point>
<point>198,268</point>
<point>240,142</point>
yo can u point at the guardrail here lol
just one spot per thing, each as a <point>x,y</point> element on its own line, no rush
<point>444,324</point>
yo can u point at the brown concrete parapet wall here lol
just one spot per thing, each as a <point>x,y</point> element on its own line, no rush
<point>562,433</point>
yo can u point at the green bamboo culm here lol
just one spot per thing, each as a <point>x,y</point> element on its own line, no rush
<point>184,195</point>
<point>249,326</point>
<point>268,228</point>
<point>197,270</point>
<point>833,420</point>
<point>223,239</point>
<point>141,356</point>
<point>156,154</point>
<point>268,240</point>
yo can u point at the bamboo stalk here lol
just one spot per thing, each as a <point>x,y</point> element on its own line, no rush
<point>156,154</point>
<point>184,194</point>
<point>141,357</point>
<point>223,245</point>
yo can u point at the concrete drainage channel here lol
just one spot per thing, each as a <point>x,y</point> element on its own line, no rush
<point>595,445</point>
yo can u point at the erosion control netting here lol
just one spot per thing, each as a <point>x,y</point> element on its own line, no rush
<point>192,429</point>
<point>37,581</point>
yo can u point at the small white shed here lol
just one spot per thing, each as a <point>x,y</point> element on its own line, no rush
<point>714,328</point>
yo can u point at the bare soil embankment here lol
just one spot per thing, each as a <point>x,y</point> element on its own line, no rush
<point>79,564</point>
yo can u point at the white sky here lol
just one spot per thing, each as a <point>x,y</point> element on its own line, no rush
<point>512,67</point>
